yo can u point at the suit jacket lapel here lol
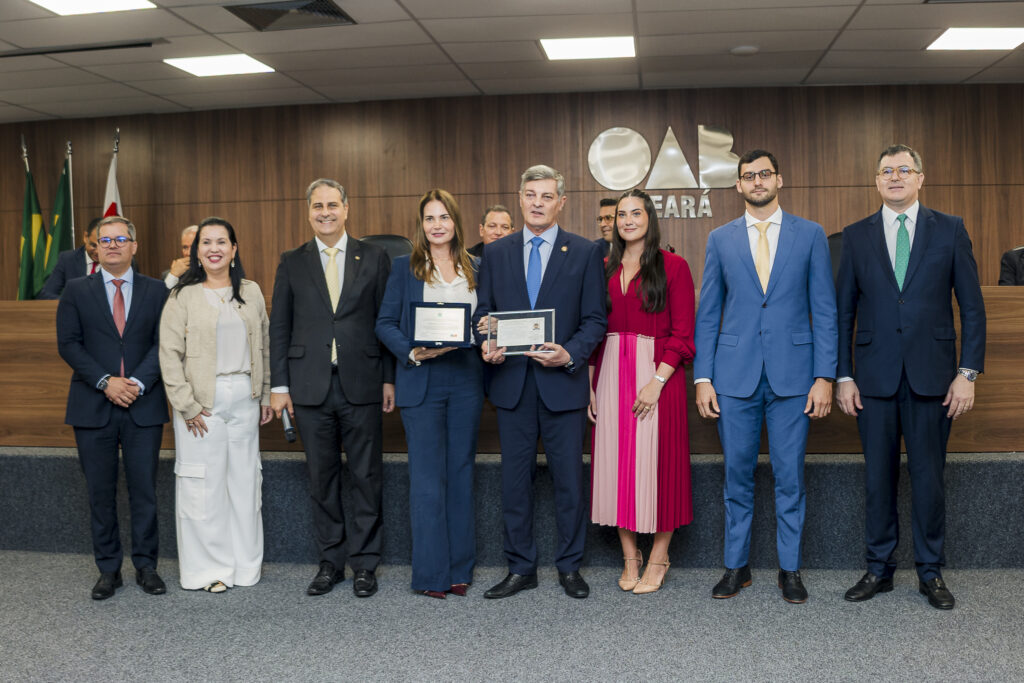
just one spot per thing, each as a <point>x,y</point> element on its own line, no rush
<point>741,243</point>
<point>876,235</point>
<point>311,257</point>
<point>559,255</point>
<point>353,264</point>
<point>99,294</point>
<point>922,234</point>
<point>787,235</point>
<point>138,293</point>
<point>517,267</point>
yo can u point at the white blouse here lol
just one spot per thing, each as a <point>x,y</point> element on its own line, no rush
<point>231,334</point>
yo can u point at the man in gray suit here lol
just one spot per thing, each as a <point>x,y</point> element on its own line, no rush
<point>329,371</point>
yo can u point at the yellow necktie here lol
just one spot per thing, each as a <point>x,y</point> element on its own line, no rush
<point>763,258</point>
<point>333,289</point>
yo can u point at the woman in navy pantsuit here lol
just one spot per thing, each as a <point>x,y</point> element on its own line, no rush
<point>440,394</point>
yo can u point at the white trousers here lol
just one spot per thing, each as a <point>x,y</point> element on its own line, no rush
<point>218,497</point>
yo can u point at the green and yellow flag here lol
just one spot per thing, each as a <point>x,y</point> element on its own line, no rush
<point>31,229</point>
<point>59,238</point>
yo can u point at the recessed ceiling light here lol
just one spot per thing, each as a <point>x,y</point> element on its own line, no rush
<point>745,50</point>
<point>68,7</point>
<point>611,47</point>
<point>979,39</point>
<point>220,65</point>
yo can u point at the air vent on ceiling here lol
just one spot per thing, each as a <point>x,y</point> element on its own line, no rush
<point>291,14</point>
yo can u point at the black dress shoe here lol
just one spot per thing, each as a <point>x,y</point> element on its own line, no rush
<point>866,588</point>
<point>511,584</point>
<point>150,581</point>
<point>106,585</point>
<point>325,579</point>
<point>792,587</point>
<point>364,583</point>
<point>939,596</point>
<point>732,581</point>
<point>574,585</point>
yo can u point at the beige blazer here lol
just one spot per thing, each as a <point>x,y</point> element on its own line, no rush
<point>188,347</point>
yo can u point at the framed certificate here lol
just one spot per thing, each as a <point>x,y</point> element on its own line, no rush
<point>518,331</point>
<point>437,323</point>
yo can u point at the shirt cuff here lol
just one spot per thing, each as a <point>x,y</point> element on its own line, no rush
<point>142,387</point>
<point>279,390</point>
<point>843,379</point>
<point>412,358</point>
<point>701,380</point>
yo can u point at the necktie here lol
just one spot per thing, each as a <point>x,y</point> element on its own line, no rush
<point>92,271</point>
<point>119,314</point>
<point>334,290</point>
<point>902,251</point>
<point>533,272</point>
<point>763,257</point>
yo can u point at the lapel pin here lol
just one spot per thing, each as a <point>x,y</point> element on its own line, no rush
<point>357,258</point>
<point>565,248</point>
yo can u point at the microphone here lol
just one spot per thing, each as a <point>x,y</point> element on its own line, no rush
<point>289,430</point>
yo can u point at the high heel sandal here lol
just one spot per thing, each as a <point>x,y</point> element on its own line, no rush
<point>643,587</point>
<point>630,584</point>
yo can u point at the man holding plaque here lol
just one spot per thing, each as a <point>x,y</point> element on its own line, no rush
<point>555,280</point>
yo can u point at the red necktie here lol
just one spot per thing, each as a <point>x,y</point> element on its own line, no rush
<point>119,314</point>
<point>93,270</point>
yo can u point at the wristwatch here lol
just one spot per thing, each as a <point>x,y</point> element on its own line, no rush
<point>102,384</point>
<point>570,367</point>
<point>968,374</point>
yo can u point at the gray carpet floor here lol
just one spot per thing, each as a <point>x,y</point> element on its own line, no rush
<point>51,631</point>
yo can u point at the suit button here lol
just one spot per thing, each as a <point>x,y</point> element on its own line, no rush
<point>899,330</point>
<point>765,305</point>
<point>901,300</point>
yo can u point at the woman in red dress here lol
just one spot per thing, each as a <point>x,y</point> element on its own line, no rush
<point>641,462</point>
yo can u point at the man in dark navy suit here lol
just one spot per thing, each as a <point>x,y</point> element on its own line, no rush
<point>606,222</point>
<point>899,375</point>
<point>543,393</point>
<point>73,263</point>
<point>107,327</point>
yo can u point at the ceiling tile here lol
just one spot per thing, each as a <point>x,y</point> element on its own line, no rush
<point>721,43</point>
<point>369,11</point>
<point>507,51</point>
<point>213,19</point>
<point>212,84</point>
<point>894,76</point>
<point>1000,74</point>
<point>27,63</point>
<point>884,59</point>
<point>9,114</point>
<point>135,71</point>
<point>546,69</point>
<point>13,10</point>
<point>887,39</point>
<point>428,53</point>
<point>1015,58</point>
<point>673,5</point>
<point>528,27</point>
<point>328,38</point>
<point>400,91</point>
<point>110,107</point>
<point>68,93</point>
<point>47,78</point>
<point>322,79</point>
<point>712,78</point>
<point>248,98</point>
<point>513,86</point>
<point>454,9</point>
<point>756,64</point>
<point>726,21</point>
<point>179,46</point>
<point>94,28</point>
<point>991,14</point>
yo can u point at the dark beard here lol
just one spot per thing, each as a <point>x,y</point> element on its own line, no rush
<point>767,199</point>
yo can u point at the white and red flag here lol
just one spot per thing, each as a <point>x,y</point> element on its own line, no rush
<point>112,198</point>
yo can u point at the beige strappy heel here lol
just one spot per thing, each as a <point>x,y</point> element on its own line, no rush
<point>630,584</point>
<point>643,587</point>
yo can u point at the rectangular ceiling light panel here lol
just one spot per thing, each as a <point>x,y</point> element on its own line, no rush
<point>220,65</point>
<point>611,47</point>
<point>979,39</point>
<point>69,7</point>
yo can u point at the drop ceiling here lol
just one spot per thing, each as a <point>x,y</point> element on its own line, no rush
<point>443,48</point>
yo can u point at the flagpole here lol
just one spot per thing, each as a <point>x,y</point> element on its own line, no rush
<point>117,139</point>
<point>71,194</point>
<point>24,153</point>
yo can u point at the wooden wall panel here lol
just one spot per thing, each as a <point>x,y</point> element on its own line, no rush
<point>34,382</point>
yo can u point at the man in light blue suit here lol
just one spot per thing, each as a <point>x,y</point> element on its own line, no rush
<point>766,352</point>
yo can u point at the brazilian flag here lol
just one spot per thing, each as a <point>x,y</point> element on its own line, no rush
<point>31,230</point>
<point>59,238</point>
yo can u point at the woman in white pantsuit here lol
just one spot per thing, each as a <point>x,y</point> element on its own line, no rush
<point>214,349</point>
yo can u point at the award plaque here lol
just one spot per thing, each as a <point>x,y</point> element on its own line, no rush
<point>522,331</point>
<point>437,324</point>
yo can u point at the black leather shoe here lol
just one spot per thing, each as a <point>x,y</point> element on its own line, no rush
<point>364,583</point>
<point>792,587</point>
<point>939,596</point>
<point>574,585</point>
<point>106,585</point>
<point>512,584</point>
<point>732,581</point>
<point>150,581</point>
<point>866,588</point>
<point>325,579</point>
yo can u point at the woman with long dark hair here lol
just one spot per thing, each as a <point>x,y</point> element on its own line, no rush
<point>440,394</point>
<point>641,460</point>
<point>214,349</point>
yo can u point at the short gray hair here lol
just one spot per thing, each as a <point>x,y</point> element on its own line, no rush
<point>110,220</point>
<point>542,172</point>
<point>192,229</point>
<point>320,182</point>
<point>893,150</point>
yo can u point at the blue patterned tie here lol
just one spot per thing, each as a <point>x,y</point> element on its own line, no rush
<point>902,251</point>
<point>533,272</point>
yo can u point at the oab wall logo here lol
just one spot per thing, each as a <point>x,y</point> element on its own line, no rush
<point>620,158</point>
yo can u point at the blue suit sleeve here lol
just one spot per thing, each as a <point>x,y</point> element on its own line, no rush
<point>846,305</point>
<point>593,317</point>
<point>823,307</point>
<point>389,318</point>
<point>709,313</point>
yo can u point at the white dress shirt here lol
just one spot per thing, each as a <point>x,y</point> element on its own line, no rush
<point>546,247</point>
<point>753,235</point>
<point>126,292</point>
<point>891,224</point>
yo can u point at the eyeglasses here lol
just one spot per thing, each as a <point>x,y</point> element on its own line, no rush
<point>763,175</point>
<point>109,242</point>
<point>903,172</point>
